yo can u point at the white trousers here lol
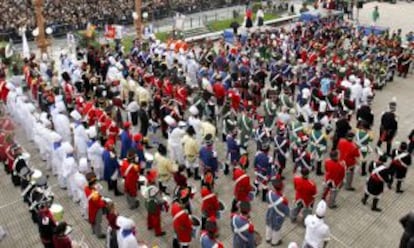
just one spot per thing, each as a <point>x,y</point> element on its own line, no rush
<point>273,236</point>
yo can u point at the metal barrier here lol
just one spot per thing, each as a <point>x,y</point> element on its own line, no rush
<point>217,35</point>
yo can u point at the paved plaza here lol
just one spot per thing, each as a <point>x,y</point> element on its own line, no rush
<point>352,224</point>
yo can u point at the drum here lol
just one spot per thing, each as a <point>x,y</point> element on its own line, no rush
<point>142,180</point>
<point>196,226</point>
<point>222,208</point>
<point>257,238</point>
<point>57,212</point>
<point>36,176</point>
<point>149,158</point>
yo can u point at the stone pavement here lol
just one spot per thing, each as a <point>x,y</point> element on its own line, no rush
<point>352,224</point>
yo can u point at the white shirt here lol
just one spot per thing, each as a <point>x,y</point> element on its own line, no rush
<point>317,232</point>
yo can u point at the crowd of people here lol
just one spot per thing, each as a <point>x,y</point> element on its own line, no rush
<point>77,14</point>
<point>155,117</point>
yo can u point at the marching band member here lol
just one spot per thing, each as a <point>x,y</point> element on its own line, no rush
<point>277,211</point>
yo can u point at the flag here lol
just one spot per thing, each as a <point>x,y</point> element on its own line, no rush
<point>25,44</point>
<point>9,51</point>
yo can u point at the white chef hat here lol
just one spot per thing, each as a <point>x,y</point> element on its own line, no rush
<point>83,165</point>
<point>321,209</point>
<point>75,115</point>
<point>306,93</point>
<point>125,223</point>
<point>193,110</point>
<point>182,124</point>
<point>322,107</point>
<point>170,121</point>
<point>60,107</point>
<point>352,78</point>
<point>92,132</point>
<point>55,137</point>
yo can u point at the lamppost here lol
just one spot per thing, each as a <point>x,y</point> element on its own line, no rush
<point>138,18</point>
<point>42,42</point>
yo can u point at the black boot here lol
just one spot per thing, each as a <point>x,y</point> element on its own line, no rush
<point>110,185</point>
<point>363,168</point>
<point>189,173</point>
<point>257,187</point>
<point>389,145</point>
<point>226,169</point>
<point>264,195</point>
<point>319,171</point>
<point>365,199</point>
<point>399,190</point>
<point>196,174</point>
<point>116,190</point>
<point>375,205</point>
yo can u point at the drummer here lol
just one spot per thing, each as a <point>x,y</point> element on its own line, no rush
<point>209,236</point>
<point>183,226</point>
<point>209,201</point>
<point>242,227</point>
<point>154,204</point>
<point>96,204</point>
<point>61,238</point>
<point>46,224</point>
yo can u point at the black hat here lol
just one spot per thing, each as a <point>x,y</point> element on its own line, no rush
<point>208,139</point>
<point>162,150</point>
<point>245,207</point>
<point>403,146</point>
<point>350,135</point>
<point>383,158</point>
<point>334,154</point>
<point>317,126</point>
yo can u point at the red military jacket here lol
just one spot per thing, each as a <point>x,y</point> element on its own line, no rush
<point>69,92</point>
<point>95,202</point>
<point>183,226</point>
<point>335,172</point>
<point>348,152</point>
<point>305,190</point>
<point>130,172</point>
<point>209,203</point>
<point>242,188</point>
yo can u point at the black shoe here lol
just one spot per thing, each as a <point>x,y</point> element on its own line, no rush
<point>189,173</point>
<point>375,205</point>
<point>399,191</point>
<point>118,193</point>
<point>101,236</point>
<point>364,200</point>
<point>333,206</point>
<point>350,189</point>
<point>160,234</point>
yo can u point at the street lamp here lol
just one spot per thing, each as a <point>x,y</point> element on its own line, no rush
<point>42,42</point>
<point>137,18</point>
